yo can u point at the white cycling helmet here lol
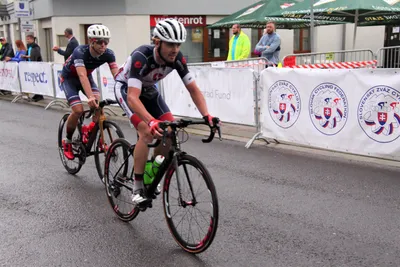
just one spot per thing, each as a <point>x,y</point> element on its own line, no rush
<point>171,31</point>
<point>98,31</point>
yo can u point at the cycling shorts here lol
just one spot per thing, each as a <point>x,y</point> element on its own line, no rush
<point>71,87</point>
<point>151,99</point>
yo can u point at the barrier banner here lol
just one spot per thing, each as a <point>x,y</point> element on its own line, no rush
<point>59,92</point>
<point>36,78</point>
<point>356,111</point>
<point>9,76</point>
<point>106,82</point>
<point>229,94</point>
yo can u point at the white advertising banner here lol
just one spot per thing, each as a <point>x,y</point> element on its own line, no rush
<point>106,82</point>
<point>56,74</point>
<point>355,111</point>
<point>229,94</point>
<point>9,76</point>
<point>36,78</point>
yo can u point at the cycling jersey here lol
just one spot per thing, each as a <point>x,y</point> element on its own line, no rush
<point>81,57</point>
<point>142,70</point>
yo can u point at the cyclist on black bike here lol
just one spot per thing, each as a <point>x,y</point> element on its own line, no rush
<point>138,96</point>
<point>76,76</point>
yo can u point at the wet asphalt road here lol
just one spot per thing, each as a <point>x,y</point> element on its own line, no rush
<point>277,208</point>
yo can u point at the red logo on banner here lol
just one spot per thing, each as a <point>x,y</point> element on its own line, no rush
<point>186,20</point>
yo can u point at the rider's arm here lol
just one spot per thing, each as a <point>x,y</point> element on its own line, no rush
<point>135,85</point>
<point>198,98</point>
<point>191,85</point>
<point>82,73</point>
<point>111,63</point>
<point>83,78</point>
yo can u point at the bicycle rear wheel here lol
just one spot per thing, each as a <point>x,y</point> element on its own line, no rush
<point>205,211</point>
<point>111,132</point>
<point>118,178</point>
<point>75,165</point>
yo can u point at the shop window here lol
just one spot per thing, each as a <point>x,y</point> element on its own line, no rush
<point>217,44</point>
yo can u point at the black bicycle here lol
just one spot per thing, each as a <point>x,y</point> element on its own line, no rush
<point>97,136</point>
<point>182,195</point>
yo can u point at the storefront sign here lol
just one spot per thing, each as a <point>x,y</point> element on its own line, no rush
<point>188,21</point>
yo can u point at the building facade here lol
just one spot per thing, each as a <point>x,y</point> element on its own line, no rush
<point>131,23</point>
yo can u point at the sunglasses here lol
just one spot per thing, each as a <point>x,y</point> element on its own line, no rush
<point>103,40</point>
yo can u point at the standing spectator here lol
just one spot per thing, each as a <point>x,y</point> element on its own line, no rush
<point>6,49</point>
<point>33,55</point>
<point>239,45</point>
<point>270,44</point>
<point>21,51</point>
<point>72,44</point>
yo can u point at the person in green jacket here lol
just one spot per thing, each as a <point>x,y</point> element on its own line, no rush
<point>239,45</point>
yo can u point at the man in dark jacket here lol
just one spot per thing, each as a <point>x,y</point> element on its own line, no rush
<point>33,54</point>
<point>6,49</point>
<point>72,44</point>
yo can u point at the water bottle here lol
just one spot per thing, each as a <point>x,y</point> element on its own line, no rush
<point>152,169</point>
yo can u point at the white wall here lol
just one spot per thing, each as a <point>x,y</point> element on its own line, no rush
<point>287,42</point>
<point>137,32</point>
<point>119,33</point>
<point>371,37</point>
<point>328,38</point>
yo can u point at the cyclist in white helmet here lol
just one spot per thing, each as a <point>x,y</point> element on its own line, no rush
<point>138,96</point>
<point>76,76</point>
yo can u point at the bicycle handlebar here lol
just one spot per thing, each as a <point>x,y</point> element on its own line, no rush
<point>182,123</point>
<point>102,104</point>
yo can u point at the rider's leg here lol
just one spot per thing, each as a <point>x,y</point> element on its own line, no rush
<point>96,94</point>
<point>160,149</point>
<point>69,87</point>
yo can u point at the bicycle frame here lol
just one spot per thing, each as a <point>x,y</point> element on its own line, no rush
<point>97,127</point>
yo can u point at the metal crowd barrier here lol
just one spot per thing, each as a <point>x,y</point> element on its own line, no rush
<point>388,57</point>
<point>328,57</point>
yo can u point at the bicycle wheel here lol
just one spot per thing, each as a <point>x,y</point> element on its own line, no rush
<point>118,178</point>
<point>111,132</point>
<point>72,166</point>
<point>205,212</point>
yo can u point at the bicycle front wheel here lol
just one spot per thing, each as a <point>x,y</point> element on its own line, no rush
<point>111,132</point>
<point>118,178</point>
<point>195,197</point>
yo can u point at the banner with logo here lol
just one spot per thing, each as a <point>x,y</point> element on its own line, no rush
<point>9,76</point>
<point>106,82</point>
<point>355,111</point>
<point>229,94</point>
<point>36,78</point>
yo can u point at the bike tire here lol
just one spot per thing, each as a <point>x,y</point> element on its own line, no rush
<point>61,149</point>
<point>208,239</point>
<point>106,125</point>
<point>110,188</point>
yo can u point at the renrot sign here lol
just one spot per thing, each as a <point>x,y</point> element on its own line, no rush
<point>191,21</point>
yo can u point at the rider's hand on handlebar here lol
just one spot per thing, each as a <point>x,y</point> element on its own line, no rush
<point>209,119</point>
<point>155,129</point>
<point>92,102</point>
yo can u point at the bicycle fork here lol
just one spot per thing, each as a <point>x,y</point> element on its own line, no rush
<point>182,202</point>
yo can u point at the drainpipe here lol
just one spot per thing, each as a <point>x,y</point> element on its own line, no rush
<point>343,40</point>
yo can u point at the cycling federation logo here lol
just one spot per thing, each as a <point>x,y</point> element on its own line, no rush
<point>379,113</point>
<point>284,103</point>
<point>328,108</point>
